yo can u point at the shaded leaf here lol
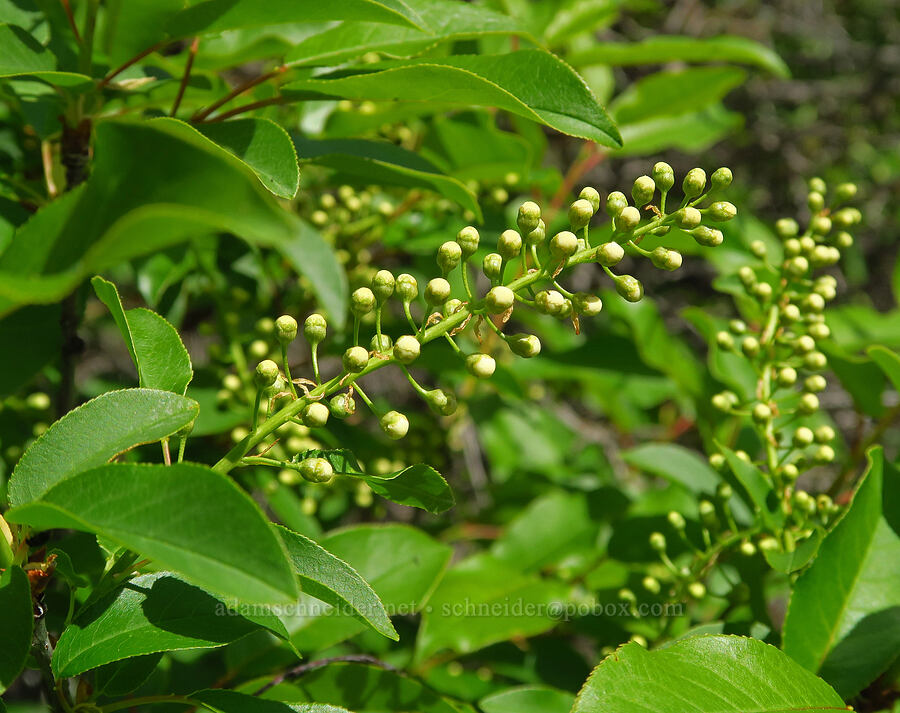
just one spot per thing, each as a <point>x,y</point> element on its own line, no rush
<point>528,699</point>
<point>757,487</point>
<point>16,623</point>
<point>691,132</point>
<point>35,334</point>
<point>23,56</point>
<point>798,558</point>
<point>676,464</point>
<point>888,362</point>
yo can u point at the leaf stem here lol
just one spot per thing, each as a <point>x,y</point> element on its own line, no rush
<point>186,76</point>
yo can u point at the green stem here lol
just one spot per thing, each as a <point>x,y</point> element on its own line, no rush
<point>409,317</point>
<point>254,418</point>
<point>314,353</point>
<point>287,370</point>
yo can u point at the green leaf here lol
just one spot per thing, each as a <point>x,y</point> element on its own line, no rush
<point>386,164</point>
<point>122,677</point>
<point>157,351</point>
<point>419,485</point>
<point>224,701</point>
<point>264,146</point>
<point>757,487</point>
<point>200,189</point>
<point>798,558</point>
<point>35,333</point>
<point>131,26</point>
<point>16,623</point>
<point>400,563</point>
<point>214,16</point>
<point>185,517</point>
<point>95,432</point>
<point>23,56</point>
<point>442,21</point>
<point>843,621</point>
<point>528,699</point>
<point>335,582</point>
<point>662,49</point>
<point>860,376</point>
<point>888,361</point>
<point>692,132</point>
<point>704,674</point>
<point>676,464</point>
<point>560,100</point>
<point>673,93</point>
<point>482,601</point>
<point>149,614</point>
<point>361,687</point>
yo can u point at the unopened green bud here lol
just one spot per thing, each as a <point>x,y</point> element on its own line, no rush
<point>688,218</point>
<point>824,504</point>
<point>510,244</point>
<point>481,366</point>
<point>407,287</point>
<point>362,301</point>
<point>694,182</point>
<point>286,329</point>
<point>441,402</point>
<point>666,259</point>
<point>721,211</point>
<point>610,254</point>
<point>791,313</point>
<point>499,299</point>
<point>737,326</point>
<point>724,491</point>
<point>750,346</point>
<point>823,454</point>
<point>707,512</point>
<point>549,302</point>
<point>315,415</point>
<point>265,326</point>
<point>758,248</point>
<point>316,470</point>
<point>761,413</point>
<point>676,520</point>
<point>721,178</point>
<point>843,240</point>
<point>708,237</point>
<point>725,340</point>
<point>804,344</point>
<point>258,349</point>
<point>39,401</point>
<point>491,265</point>
<point>815,361</point>
<point>821,225</point>
<point>580,213</point>
<point>725,400</point>
<point>792,247</point>
<point>537,236</point>
<point>587,304</point>
<point>616,202</point>
<point>814,302</point>
<point>717,461</point>
<point>786,227</point>
<point>787,376</point>
<point>651,584</point>
<point>591,196</point>
<point>845,191</point>
<point>748,549</point>
<point>642,190</point>
<point>524,345</point>
<point>815,201</point>
<point>762,291</point>
<point>628,219</point>
<point>437,291</point>
<point>563,245</point>
<point>802,437</point>
<point>658,541</point>
<point>809,404</point>
<point>342,405</point>
<point>817,185</point>
<point>448,256</point>
<point>629,287</point>
<point>383,285</point>
<point>315,328</point>
<point>815,383</point>
<point>797,266</point>
<point>355,359</point>
<point>663,176</point>
<point>406,349</point>
<point>266,373</point>
<point>844,218</point>
<point>790,472</point>
<point>380,343</point>
<point>395,425</point>
<point>528,217</point>
<point>807,244</point>
<point>824,434</point>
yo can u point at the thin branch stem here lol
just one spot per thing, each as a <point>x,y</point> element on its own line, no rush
<point>186,77</point>
<point>127,63</point>
<point>202,114</point>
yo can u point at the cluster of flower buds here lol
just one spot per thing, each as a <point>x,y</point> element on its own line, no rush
<point>524,270</point>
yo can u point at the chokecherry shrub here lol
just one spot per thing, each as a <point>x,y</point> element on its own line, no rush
<point>324,389</point>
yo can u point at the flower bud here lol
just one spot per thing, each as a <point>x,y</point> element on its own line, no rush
<point>815,201</point>
<point>844,218</point>
<point>809,404</point>
<point>787,376</point>
<point>697,590</point>
<point>316,470</point>
<point>629,287</point>
<point>616,202</point>
<point>721,178</point>
<point>758,249</point>
<point>536,236</point>
<point>362,301</point>
<point>528,217</point>
<point>586,304</point>
<point>824,434</point>
<point>821,225</point>
<point>524,345</point>
<point>724,491</point>
<point>792,247</point>
<point>688,218</point>
<point>658,541</point>
<point>610,254</point>
<point>591,196</point>
<point>342,405</point>
<point>748,549</point>
<point>286,329</point>
<point>791,313</point>
<point>642,190</point>
<point>676,520</point>
<point>706,236</point>
<point>707,513</point>
<point>814,384</point>
<point>258,349</point>
<point>790,472</point>
<point>563,245</point>
<point>651,584</point>
<point>725,400</point>
<point>817,185</point>
<point>665,259</point>
<point>807,244</point>
<point>448,256</point>
<point>663,176</point>
<point>355,359</point>
<point>761,413</point>
<point>815,361</point>
<point>315,415</point>
<point>395,425</point>
<point>441,402</point>
<point>762,291</point>
<point>823,455</point>
<point>814,302</point>
<point>845,191</point>
<point>380,343</point>
<point>721,211</point>
<point>265,326</point>
<point>499,299</point>
<point>481,366</point>
<point>266,374</point>
<point>628,219</point>
<point>750,346</point>
<point>717,461</point>
<point>821,256</point>
<point>437,291</point>
<point>407,287</point>
<point>694,182</point>
<point>804,344</point>
<point>580,213</point>
<point>725,341</point>
<point>491,265</point>
<point>797,266</point>
<point>314,328</point>
<point>786,227</point>
<point>549,302</point>
<point>510,244</point>
<point>406,349</point>
<point>383,285</point>
<point>802,437</point>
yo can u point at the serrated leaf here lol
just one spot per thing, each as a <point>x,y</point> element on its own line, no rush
<point>662,49</point>
<point>264,146</point>
<point>157,351</point>
<point>16,623</point>
<point>185,517</point>
<point>23,56</point>
<point>560,100</point>
<point>149,614</point>
<point>335,582</point>
<point>95,432</point>
<point>528,699</point>
<point>704,674</point>
<point>843,621</point>
<point>386,164</point>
